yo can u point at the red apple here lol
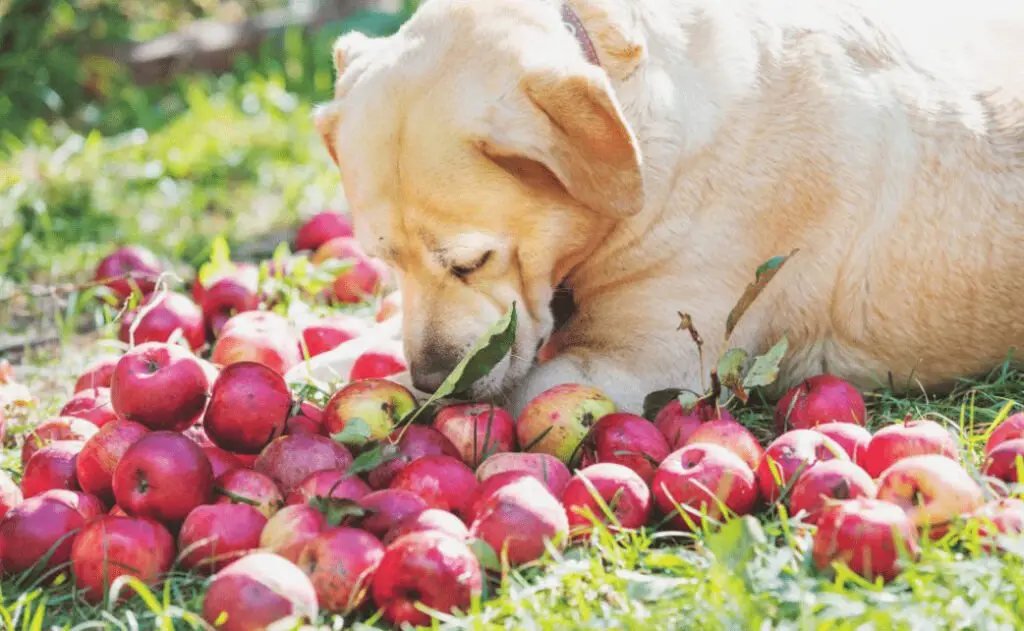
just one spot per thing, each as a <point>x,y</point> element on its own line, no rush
<point>111,547</point>
<point>42,525</point>
<point>490,485</point>
<point>519,519</point>
<point>358,282</point>
<point>248,407</point>
<point>854,439</point>
<point>164,476</point>
<point>429,519</point>
<point>222,461</point>
<point>291,459</point>
<point>677,424</point>
<point>933,490</point>
<point>159,316</point>
<point>377,363</point>
<point>245,486</point>
<point>820,399</point>
<point>161,386</point>
<point>258,590</point>
<point>386,508</point>
<point>88,505</point>
<point>911,438</point>
<point>1004,461</point>
<point>10,495</point>
<point>91,405</point>
<point>101,453</point>
<point>477,430</point>
<point>236,292</point>
<point>699,481</point>
<point>731,435</point>
<point>268,340</point>
<point>557,420</point>
<point>333,484</point>
<point>97,374</point>
<point>306,418</point>
<point>442,481</point>
<point>52,467</point>
<point>326,334</point>
<point>622,491</point>
<point>341,563</point>
<point>867,535</point>
<point>428,567</point>
<point>290,529</point>
<point>628,440</point>
<point>790,455</point>
<point>321,228</point>
<point>214,535</point>
<point>378,404</point>
<point>825,482</point>
<point>1004,516</point>
<point>545,467</point>
<point>128,268</point>
<point>61,428</point>
<point>406,445</point>
<point>1011,428</point>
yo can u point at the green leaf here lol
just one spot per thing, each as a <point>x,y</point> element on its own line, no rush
<point>689,400</point>
<point>356,433</point>
<point>484,356</point>
<point>729,371</point>
<point>219,262</point>
<point>655,401</point>
<point>372,458</point>
<point>485,554</point>
<point>737,541</point>
<point>765,369</point>
<point>337,510</point>
<point>765,272</point>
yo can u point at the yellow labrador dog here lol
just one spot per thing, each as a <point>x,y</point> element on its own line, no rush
<point>650,154</point>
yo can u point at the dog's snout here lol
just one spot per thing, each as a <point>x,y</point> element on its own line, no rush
<point>429,371</point>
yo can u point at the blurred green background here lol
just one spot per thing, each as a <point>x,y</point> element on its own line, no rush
<point>107,139</point>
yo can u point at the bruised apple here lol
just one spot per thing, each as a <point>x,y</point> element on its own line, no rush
<point>258,590</point>
<point>826,482</point>
<point>932,489</point>
<point>340,562</point>
<point>372,406</point>
<point>557,420</point>
<point>289,460</point>
<point>792,454</point>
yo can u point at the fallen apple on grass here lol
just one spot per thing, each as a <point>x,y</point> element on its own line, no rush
<point>932,489</point>
<point>91,405</point>
<point>791,455</point>
<point>1012,428</point>
<point>733,436</point>
<point>854,439</point>
<point>162,315</point>
<point>385,508</point>
<point>625,497</point>
<point>677,424</point>
<point>52,467</point>
<point>249,404</point>
<point>258,590</point>
<point>428,567</point>
<point>214,535</point>
<point>233,292</point>
<point>326,334</point>
<point>262,337</point>
<point>161,386</point>
<point>520,519</point>
<point>362,279</point>
<point>490,485</point>
<point>222,461</point>
<point>10,496</point>
<point>911,438</point>
<point>321,228</point>
<point>368,409</point>
<point>305,418</point>
<point>340,562</point>
<point>97,374</point>
<point>626,439</point>
<point>41,527</point>
<point>701,482</point>
<point>557,420</point>
<point>869,536</point>
<point>110,547</point>
<point>442,481</point>
<point>1005,461</point>
<point>377,363</point>
<point>1004,516</point>
<point>100,454</point>
<point>129,268</point>
<point>245,486</point>
<point>826,482</point>
<point>163,475</point>
<point>328,484</point>
<point>817,400</point>
<point>477,431</point>
<point>290,529</point>
<point>406,445</point>
<point>545,467</point>
<point>289,460</point>
<point>433,519</point>
<point>60,428</point>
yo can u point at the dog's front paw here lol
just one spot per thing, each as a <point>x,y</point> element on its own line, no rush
<point>625,389</point>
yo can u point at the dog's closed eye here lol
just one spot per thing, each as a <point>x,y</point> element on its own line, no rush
<point>462,271</point>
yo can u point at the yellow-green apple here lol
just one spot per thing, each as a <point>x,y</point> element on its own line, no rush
<point>869,536</point>
<point>557,420</point>
<point>376,405</point>
<point>701,481</point>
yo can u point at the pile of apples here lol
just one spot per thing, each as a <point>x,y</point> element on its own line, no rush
<point>164,459</point>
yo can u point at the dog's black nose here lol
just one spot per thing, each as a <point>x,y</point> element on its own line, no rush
<point>429,371</point>
<point>428,382</point>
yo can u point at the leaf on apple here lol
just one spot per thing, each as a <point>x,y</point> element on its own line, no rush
<point>765,369</point>
<point>655,401</point>
<point>372,458</point>
<point>485,554</point>
<point>689,400</point>
<point>762,276</point>
<point>337,510</point>
<point>490,349</point>
<point>356,433</point>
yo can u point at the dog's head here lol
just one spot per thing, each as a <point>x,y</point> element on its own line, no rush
<point>482,157</point>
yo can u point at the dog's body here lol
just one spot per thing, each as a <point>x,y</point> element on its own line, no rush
<point>487,160</point>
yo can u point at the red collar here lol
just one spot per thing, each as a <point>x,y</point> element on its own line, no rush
<point>575,26</point>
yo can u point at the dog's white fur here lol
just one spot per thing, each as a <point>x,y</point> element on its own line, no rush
<point>884,140</point>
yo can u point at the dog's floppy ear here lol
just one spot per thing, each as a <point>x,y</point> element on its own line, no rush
<point>582,139</point>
